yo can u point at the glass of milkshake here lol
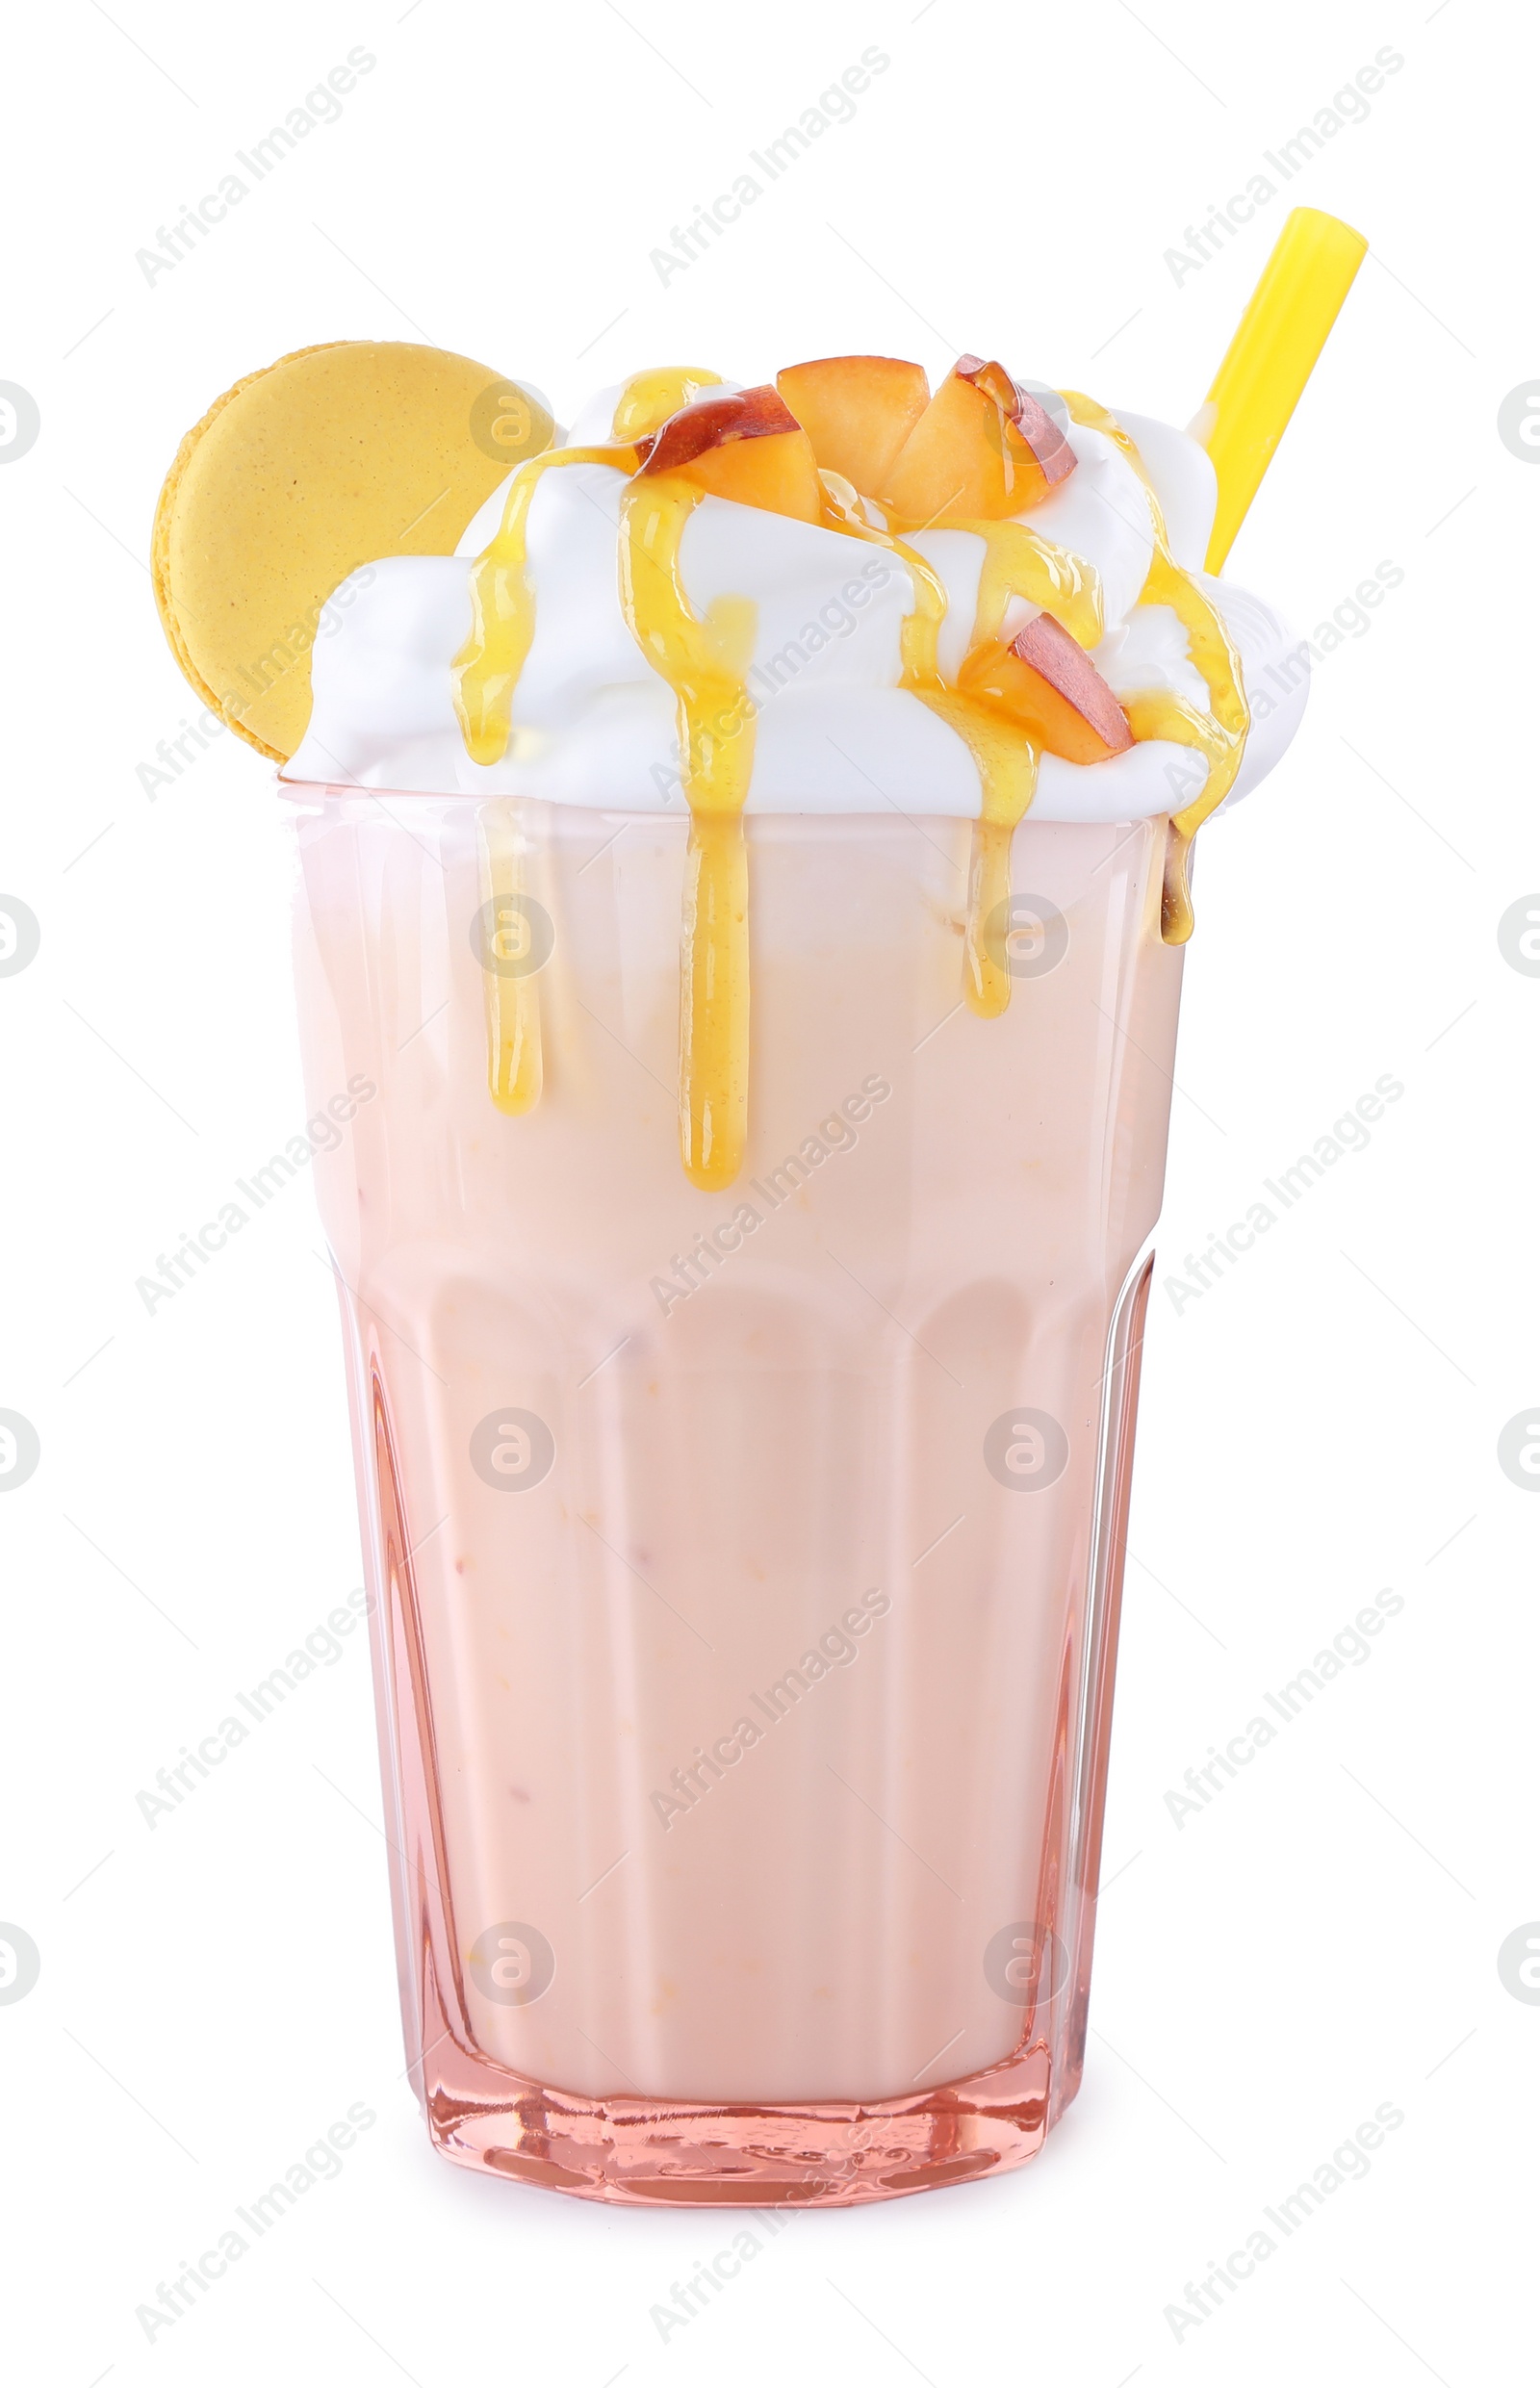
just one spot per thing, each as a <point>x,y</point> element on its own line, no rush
<point>750,877</point>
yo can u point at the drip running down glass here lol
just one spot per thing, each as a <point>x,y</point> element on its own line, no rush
<point>746,1562</point>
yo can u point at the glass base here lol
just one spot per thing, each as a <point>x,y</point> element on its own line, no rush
<point>636,2151</point>
<point>642,2151</point>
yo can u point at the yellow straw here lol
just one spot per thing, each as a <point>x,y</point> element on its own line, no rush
<point>1273,355</point>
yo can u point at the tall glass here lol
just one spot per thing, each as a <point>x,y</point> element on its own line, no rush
<point>746,1565</point>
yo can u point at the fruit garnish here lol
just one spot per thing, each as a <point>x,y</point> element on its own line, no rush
<point>858,411</point>
<point>1048,684</point>
<point>984,448</point>
<point>748,447</point>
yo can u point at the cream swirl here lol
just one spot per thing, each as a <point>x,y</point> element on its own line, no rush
<point>834,732</point>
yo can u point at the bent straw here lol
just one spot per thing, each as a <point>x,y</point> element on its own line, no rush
<point>1287,319</point>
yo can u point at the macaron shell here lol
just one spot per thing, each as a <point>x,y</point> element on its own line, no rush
<point>331,457</point>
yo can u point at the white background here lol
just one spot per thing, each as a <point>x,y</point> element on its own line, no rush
<point>1323,1936</point>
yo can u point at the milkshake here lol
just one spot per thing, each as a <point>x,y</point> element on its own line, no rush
<point>741,893</point>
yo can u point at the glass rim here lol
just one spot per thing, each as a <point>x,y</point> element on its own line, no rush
<point>312,791</point>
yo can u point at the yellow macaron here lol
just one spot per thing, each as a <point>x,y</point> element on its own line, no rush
<point>297,475</point>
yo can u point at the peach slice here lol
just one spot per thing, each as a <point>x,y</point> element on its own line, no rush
<point>1048,684</point>
<point>983,448</point>
<point>858,411</point>
<point>748,447</point>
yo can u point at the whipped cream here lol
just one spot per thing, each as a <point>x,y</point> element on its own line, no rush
<point>593,725</point>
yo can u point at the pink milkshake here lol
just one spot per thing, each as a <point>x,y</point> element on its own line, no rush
<point>741,894</point>
<point>748,1562</point>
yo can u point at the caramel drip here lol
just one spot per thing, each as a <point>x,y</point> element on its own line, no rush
<point>1018,562</point>
<point>649,398</point>
<point>485,673</point>
<point>1221,733</point>
<point>510,991</point>
<point>1004,757</point>
<point>705,662</point>
<point>502,609</point>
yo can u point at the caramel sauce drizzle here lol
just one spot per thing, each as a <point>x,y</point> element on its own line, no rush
<point>706,661</point>
<point>1017,563</point>
<point>649,398</point>
<point>511,998</point>
<point>486,673</point>
<point>503,608</point>
<point>1221,733</point>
